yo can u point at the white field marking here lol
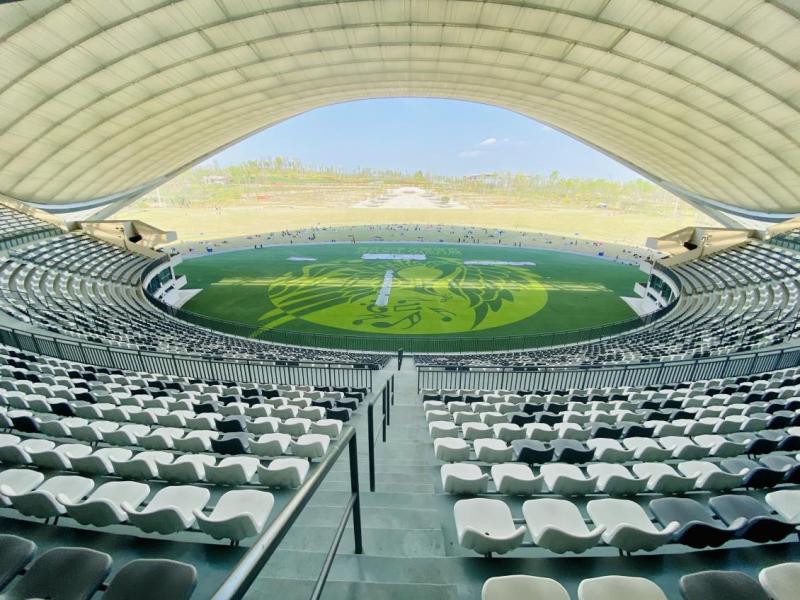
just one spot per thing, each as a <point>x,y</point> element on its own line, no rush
<point>386,288</point>
<point>393,257</point>
<point>511,263</point>
<point>299,258</point>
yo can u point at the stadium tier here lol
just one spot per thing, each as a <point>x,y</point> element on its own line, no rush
<point>360,383</point>
<point>738,300</point>
<point>17,226</point>
<point>88,289</point>
<point>95,458</point>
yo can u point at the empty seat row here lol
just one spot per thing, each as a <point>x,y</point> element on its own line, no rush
<point>308,445</point>
<point>79,573</point>
<point>509,432</point>
<point>454,449</point>
<point>612,479</point>
<point>486,526</point>
<point>287,471</point>
<point>160,429</point>
<point>238,514</point>
<point>778,582</point>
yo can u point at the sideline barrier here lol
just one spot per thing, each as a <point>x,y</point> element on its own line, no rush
<point>639,374</point>
<point>214,368</point>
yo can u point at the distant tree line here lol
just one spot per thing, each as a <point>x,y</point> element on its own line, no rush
<point>212,182</point>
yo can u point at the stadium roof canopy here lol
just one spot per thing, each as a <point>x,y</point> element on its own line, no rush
<point>103,100</point>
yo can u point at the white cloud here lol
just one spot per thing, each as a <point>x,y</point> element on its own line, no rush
<point>490,145</point>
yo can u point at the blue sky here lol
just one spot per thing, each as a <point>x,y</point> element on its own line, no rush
<point>445,137</point>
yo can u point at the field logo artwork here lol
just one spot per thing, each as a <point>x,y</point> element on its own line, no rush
<point>442,295</point>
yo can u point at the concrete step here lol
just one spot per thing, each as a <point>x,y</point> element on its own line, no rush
<point>291,589</point>
<point>380,485</point>
<point>375,499</point>
<point>397,543</point>
<point>395,472</point>
<point>375,517</point>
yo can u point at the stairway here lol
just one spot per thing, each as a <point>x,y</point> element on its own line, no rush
<point>404,543</point>
<point>410,546</point>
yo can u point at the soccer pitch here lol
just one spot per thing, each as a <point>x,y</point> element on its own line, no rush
<point>425,290</point>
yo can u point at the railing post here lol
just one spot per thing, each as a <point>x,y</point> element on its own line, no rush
<point>371,445</point>
<point>386,407</point>
<point>778,358</point>
<point>36,344</point>
<point>385,419</point>
<point>354,488</point>
<point>660,373</point>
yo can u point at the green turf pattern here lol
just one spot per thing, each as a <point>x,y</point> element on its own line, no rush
<point>441,296</point>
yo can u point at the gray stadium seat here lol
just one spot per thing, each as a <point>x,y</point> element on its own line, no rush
<point>62,574</point>
<point>168,579</point>
<point>721,585</point>
<point>15,554</point>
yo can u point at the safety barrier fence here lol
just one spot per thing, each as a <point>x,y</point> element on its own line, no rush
<point>256,558</point>
<point>639,374</point>
<point>200,367</point>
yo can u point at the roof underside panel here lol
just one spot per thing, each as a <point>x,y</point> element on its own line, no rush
<point>98,98</point>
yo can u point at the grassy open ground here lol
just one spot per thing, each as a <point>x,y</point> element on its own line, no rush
<point>336,294</point>
<point>212,204</point>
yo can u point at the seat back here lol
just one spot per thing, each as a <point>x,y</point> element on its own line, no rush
<point>63,574</point>
<point>162,578</point>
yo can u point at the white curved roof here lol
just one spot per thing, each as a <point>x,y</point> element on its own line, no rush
<point>105,99</point>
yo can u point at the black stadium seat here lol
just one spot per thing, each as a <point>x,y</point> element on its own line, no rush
<point>62,574</point>
<point>162,578</point>
<point>721,585</point>
<point>15,554</point>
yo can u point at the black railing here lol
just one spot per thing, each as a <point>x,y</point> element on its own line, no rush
<point>387,401</point>
<point>638,374</point>
<point>420,343</point>
<point>792,242</point>
<point>181,365</point>
<point>247,569</point>
<point>25,237</point>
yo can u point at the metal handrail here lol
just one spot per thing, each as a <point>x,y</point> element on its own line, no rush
<point>247,569</point>
<point>29,235</point>
<point>331,555</point>
<point>387,401</point>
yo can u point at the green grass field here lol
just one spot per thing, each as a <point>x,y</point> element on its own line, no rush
<point>279,288</point>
